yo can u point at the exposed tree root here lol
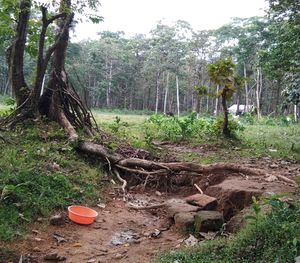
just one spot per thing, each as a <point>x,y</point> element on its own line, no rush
<point>147,168</point>
<point>285,179</point>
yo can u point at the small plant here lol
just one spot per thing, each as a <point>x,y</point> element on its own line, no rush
<point>117,124</point>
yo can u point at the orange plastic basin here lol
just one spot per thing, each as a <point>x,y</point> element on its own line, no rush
<point>82,215</point>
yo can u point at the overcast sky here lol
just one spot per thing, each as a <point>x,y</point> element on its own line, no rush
<point>140,16</point>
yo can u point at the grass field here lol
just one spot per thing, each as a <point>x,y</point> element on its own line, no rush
<point>255,141</point>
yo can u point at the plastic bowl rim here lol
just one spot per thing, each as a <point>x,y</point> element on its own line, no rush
<point>69,209</point>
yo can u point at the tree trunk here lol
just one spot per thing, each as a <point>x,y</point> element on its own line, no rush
<point>238,104</point>
<point>177,96</point>
<point>207,101</point>
<point>108,91</point>
<point>166,94</point>
<point>157,92</point>
<point>217,102</point>
<point>60,102</point>
<point>258,92</point>
<point>246,89</point>
<point>226,130</point>
<point>19,86</point>
<point>7,87</point>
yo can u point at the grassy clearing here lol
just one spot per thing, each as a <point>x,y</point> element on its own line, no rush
<point>270,138</point>
<point>40,172</point>
<point>272,141</point>
<point>270,238</point>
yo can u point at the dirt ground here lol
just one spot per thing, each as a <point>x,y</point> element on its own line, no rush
<point>149,230</point>
<point>93,243</point>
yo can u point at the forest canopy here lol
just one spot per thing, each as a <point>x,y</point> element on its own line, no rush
<point>158,71</point>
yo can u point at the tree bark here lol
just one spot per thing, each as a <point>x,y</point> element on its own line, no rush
<point>157,84</point>
<point>108,91</point>
<point>258,92</point>
<point>177,97</point>
<point>166,94</point>
<point>226,130</point>
<point>246,89</point>
<point>217,102</point>
<point>19,86</point>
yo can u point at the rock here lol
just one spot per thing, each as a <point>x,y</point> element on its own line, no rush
<point>175,206</point>
<point>123,237</point>
<point>185,221</point>
<point>208,235</point>
<point>204,201</point>
<point>208,221</point>
<point>54,257</point>
<point>101,205</point>
<point>156,233</point>
<point>234,194</point>
<point>147,234</point>
<point>273,166</point>
<point>59,238</point>
<point>119,255</point>
<point>271,178</point>
<point>57,220</point>
<point>238,221</point>
<point>297,259</point>
<point>191,241</point>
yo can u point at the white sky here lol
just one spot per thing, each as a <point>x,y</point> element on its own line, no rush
<point>140,16</point>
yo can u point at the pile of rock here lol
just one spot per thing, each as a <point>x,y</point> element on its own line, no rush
<point>196,213</point>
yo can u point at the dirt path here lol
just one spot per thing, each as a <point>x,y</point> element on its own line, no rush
<point>94,243</point>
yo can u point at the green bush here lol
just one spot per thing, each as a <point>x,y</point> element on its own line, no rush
<point>189,127</point>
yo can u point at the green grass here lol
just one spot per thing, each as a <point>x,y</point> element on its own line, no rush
<point>32,186</point>
<point>274,238</point>
<point>278,141</point>
<point>269,138</point>
<point>3,104</point>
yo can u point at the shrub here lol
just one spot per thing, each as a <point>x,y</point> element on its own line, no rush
<point>176,129</point>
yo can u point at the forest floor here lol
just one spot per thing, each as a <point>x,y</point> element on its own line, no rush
<point>143,234</point>
<point>121,234</point>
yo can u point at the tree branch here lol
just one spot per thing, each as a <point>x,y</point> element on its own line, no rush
<point>53,18</point>
<point>57,41</point>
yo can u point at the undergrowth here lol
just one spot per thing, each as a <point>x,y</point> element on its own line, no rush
<point>187,128</point>
<point>40,172</point>
<point>270,238</point>
<point>255,139</point>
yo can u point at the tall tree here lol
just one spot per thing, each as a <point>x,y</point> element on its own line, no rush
<point>222,73</point>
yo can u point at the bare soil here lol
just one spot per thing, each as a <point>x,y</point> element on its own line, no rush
<point>94,243</point>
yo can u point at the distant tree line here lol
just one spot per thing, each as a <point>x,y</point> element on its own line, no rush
<point>160,72</point>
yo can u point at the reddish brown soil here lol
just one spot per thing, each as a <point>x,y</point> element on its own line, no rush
<point>84,243</point>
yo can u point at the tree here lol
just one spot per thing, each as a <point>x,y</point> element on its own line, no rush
<point>283,55</point>
<point>222,73</point>
<point>60,102</point>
